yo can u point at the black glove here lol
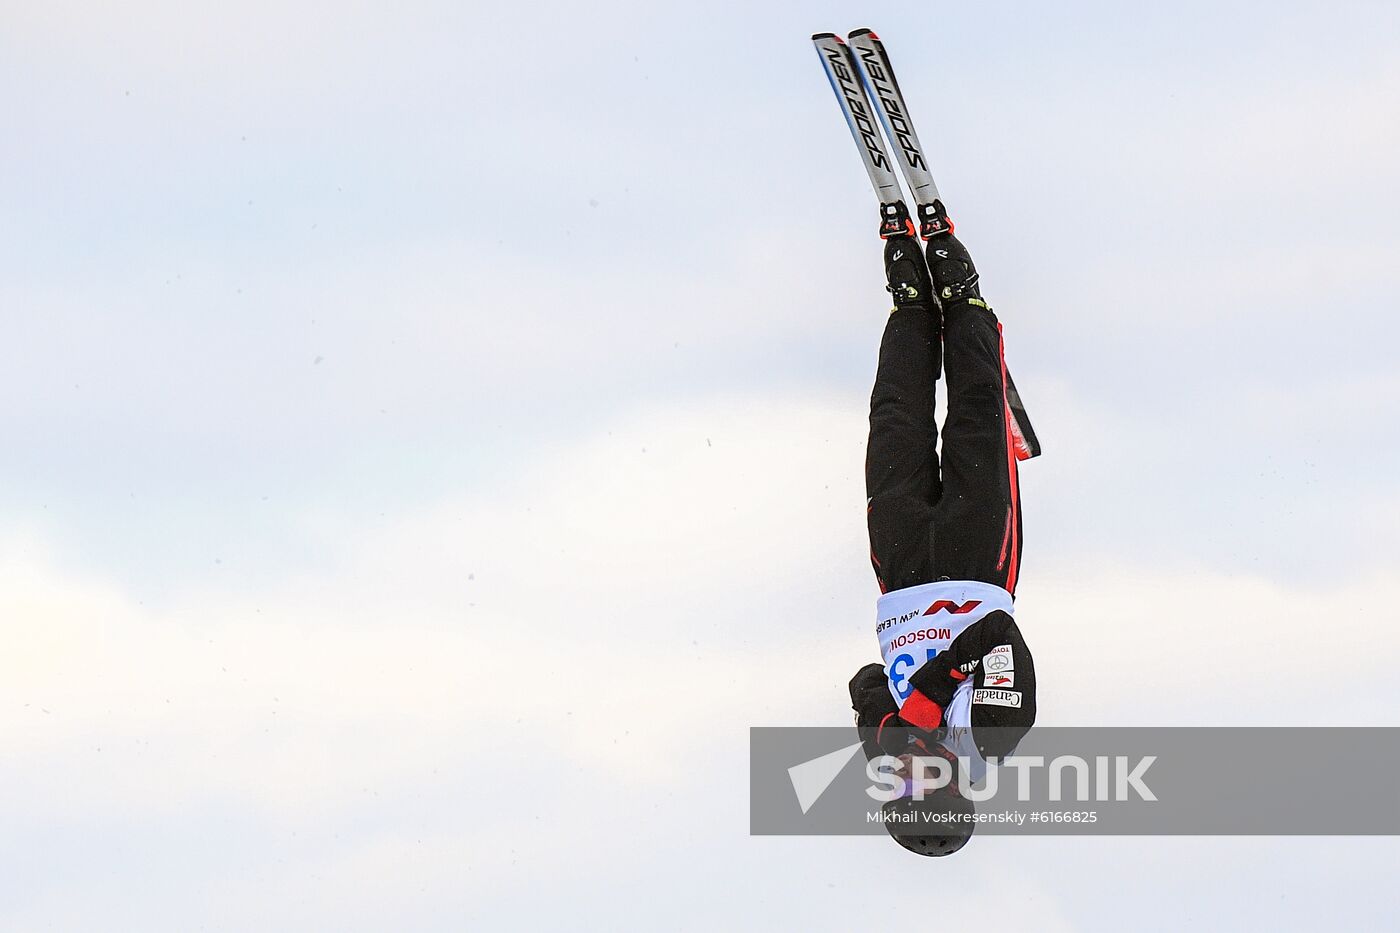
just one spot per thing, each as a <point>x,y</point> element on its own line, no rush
<point>882,730</point>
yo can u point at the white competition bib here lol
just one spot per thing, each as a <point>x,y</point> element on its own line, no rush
<point>918,622</point>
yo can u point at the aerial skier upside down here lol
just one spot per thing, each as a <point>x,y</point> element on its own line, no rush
<point>958,681</point>
<point>945,533</point>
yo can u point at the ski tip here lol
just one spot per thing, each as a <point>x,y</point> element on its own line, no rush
<point>817,36</point>
<point>863,31</point>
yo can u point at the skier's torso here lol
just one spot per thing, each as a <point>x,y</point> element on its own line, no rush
<point>916,623</point>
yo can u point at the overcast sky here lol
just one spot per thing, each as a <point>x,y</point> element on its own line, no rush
<point>391,395</point>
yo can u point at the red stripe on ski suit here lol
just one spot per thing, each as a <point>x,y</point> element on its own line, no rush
<point>1015,529</point>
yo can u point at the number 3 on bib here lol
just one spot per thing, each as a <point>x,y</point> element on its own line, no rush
<point>903,666</point>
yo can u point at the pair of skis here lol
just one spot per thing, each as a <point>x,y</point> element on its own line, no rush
<point>863,79</point>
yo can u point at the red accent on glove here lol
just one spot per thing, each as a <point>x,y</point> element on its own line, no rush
<point>918,710</point>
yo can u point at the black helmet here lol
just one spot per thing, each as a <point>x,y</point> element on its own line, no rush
<point>940,824</point>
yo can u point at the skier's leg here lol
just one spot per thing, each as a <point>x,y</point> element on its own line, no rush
<point>977,522</point>
<point>901,465</point>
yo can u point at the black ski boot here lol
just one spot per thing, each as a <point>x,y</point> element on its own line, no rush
<point>954,275</point>
<point>906,274</point>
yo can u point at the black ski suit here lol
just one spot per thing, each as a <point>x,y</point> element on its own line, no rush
<point>959,519</point>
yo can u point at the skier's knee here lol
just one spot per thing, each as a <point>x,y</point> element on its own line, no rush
<point>976,393</point>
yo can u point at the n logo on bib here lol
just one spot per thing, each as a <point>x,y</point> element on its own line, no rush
<point>947,605</point>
